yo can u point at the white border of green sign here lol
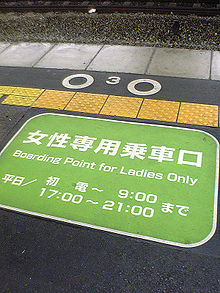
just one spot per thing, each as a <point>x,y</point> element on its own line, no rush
<point>118,231</point>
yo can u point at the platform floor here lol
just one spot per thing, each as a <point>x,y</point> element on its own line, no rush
<point>156,98</point>
<point>172,87</point>
<point>200,64</point>
<point>196,105</point>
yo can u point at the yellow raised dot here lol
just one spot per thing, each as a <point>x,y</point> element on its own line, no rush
<point>19,100</point>
<point>159,110</point>
<point>52,99</point>
<point>6,90</point>
<point>87,103</point>
<point>27,92</point>
<point>122,106</point>
<point>198,114</point>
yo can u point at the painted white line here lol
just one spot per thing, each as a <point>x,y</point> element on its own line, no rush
<point>29,182</point>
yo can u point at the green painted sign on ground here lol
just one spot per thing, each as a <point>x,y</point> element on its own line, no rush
<point>148,181</point>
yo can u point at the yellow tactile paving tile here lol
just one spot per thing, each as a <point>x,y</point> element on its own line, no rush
<point>52,99</point>
<point>87,103</point>
<point>6,90</point>
<point>27,92</point>
<point>159,110</point>
<point>19,100</point>
<point>199,114</point>
<point>122,106</point>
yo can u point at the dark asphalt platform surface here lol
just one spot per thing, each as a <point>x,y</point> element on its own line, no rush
<point>40,255</point>
<point>173,88</point>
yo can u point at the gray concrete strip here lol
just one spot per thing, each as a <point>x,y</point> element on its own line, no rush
<point>23,54</point>
<point>122,59</point>
<point>3,46</point>
<point>69,56</point>
<point>94,56</point>
<point>215,66</point>
<point>127,59</point>
<point>181,63</point>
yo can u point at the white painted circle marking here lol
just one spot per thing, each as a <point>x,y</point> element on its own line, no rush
<point>156,87</point>
<point>66,81</point>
